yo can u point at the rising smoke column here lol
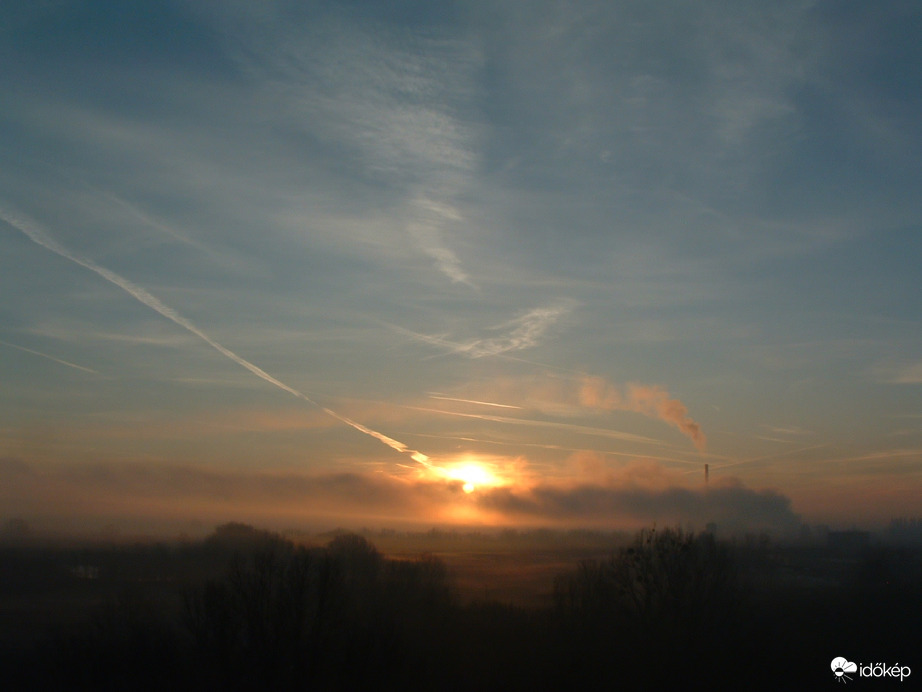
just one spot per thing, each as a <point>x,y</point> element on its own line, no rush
<point>38,236</point>
<point>651,401</point>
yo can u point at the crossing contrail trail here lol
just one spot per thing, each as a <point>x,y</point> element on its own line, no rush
<point>40,238</point>
<point>45,355</point>
<point>471,401</point>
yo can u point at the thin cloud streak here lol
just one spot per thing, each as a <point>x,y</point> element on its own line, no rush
<point>770,456</point>
<point>154,223</point>
<point>45,355</point>
<point>427,231</point>
<point>885,455</point>
<point>472,401</point>
<point>584,429</point>
<point>40,238</point>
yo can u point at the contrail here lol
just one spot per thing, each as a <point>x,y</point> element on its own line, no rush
<point>138,293</point>
<point>770,456</point>
<point>389,441</point>
<point>45,355</point>
<point>583,429</point>
<point>564,448</point>
<point>471,401</point>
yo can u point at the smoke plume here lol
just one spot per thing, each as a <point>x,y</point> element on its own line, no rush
<point>653,401</point>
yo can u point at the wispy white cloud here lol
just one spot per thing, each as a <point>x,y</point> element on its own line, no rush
<point>427,230</point>
<point>783,434</point>
<point>397,103</point>
<point>521,333</point>
<point>786,430</point>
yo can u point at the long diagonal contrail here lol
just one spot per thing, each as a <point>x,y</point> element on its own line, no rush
<point>40,238</point>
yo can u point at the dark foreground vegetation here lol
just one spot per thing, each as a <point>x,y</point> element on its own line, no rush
<point>249,610</point>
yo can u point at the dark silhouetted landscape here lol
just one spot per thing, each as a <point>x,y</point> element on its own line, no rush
<point>249,609</point>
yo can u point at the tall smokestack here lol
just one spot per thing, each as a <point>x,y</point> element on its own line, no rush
<point>706,474</point>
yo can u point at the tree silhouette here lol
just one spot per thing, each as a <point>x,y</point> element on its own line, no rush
<point>668,590</point>
<point>340,617</point>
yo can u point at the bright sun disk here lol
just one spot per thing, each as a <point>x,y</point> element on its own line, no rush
<point>471,476</point>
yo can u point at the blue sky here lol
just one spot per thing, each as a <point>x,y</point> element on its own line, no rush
<point>575,250</point>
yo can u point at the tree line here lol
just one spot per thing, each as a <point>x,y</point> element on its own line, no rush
<point>259,612</point>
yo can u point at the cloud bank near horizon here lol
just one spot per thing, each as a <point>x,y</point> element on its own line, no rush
<point>170,491</point>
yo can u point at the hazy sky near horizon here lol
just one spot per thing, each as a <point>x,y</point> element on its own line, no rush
<point>332,261</point>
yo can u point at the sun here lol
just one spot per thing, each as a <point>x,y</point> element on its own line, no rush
<point>472,475</point>
<point>474,472</point>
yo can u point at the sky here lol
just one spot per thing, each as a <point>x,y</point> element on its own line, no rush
<point>461,263</point>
